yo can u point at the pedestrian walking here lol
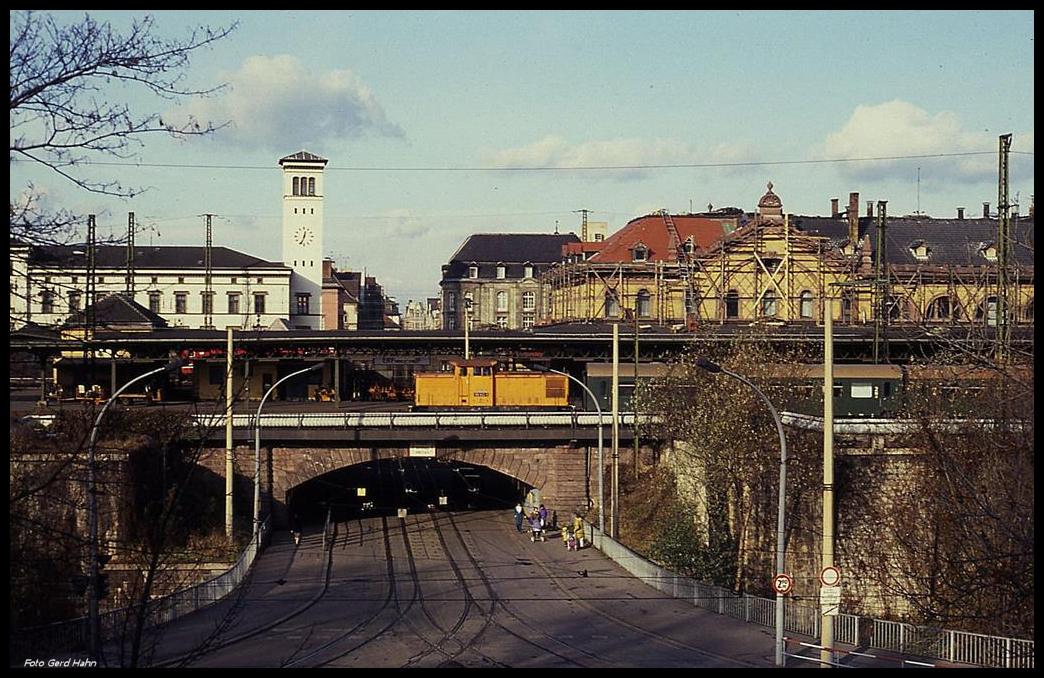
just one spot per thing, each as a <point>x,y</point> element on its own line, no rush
<point>295,529</point>
<point>578,531</point>
<point>543,516</point>
<point>518,517</point>
<point>537,530</point>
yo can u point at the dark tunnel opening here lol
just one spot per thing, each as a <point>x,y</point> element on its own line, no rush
<point>383,487</point>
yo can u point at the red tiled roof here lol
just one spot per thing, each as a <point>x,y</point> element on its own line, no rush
<point>651,231</point>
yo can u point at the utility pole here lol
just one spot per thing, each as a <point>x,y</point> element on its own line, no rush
<point>1003,250</point>
<point>583,224</point>
<point>881,286</point>
<point>208,294</point>
<point>229,466</point>
<point>129,287</point>
<point>827,622</point>
<point>634,400</point>
<point>615,487</point>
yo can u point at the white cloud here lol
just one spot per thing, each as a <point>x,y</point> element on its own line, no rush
<point>899,128</point>
<point>278,103</point>
<point>629,154</point>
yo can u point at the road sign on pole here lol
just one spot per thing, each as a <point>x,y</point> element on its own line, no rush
<point>782,584</point>
<point>830,600</point>
<point>830,576</point>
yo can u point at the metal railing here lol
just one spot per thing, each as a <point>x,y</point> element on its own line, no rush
<point>351,420</point>
<point>958,647</point>
<point>71,635</point>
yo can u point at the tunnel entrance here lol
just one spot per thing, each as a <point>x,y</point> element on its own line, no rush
<point>382,487</point>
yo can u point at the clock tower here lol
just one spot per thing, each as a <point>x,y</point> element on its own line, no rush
<point>303,236</point>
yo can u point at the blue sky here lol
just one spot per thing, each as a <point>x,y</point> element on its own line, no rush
<point>443,124</point>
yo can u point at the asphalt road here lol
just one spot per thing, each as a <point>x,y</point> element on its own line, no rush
<point>451,589</point>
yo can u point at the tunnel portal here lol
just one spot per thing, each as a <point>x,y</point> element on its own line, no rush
<point>382,487</point>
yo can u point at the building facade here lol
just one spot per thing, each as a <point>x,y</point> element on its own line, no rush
<point>773,267</point>
<point>494,280</point>
<point>49,284</point>
<point>423,315</point>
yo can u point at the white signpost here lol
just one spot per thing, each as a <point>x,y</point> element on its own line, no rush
<point>830,592</point>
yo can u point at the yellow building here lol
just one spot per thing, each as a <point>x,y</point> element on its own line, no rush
<point>723,267</point>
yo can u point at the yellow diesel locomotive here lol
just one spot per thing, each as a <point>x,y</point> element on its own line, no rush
<point>478,384</point>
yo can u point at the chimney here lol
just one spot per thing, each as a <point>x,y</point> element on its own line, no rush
<point>870,208</point>
<point>985,210</point>
<point>960,213</point>
<point>834,211</point>
<point>853,216</point>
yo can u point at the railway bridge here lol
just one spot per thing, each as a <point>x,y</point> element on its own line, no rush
<point>384,460</point>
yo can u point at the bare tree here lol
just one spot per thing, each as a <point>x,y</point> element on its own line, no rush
<point>62,116</point>
<point>726,450</point>
<point>956,527</point>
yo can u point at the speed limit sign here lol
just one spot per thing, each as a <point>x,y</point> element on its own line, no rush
<point>782,584</point>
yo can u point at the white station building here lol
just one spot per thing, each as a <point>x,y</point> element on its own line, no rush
<point>49,283</point>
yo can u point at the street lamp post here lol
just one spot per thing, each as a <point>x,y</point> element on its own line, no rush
<point>780,560</point>
<point>257,447</point>
<point>601,426</point>
<point>94,621</point>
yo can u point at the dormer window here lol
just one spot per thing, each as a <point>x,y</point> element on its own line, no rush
<point>528,270</point>
<point>473,271</point>
<point>919,250</point>
<point>501,271</point>
<point>640,253</point>
<point>989,251</point>
<point>689,246</point>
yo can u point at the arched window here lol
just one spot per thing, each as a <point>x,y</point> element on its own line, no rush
<point>768,304</point>
<point>311,185</point>
<point>529,301</point>
<point>847,306</point>
<point>806,304</point>
<point>502,301</point>
<point>987,311</point>
<point>643,305</point>
<point>942,309</point>
<point>612,305</point>
<point>732,304</point>
<point>297,187</point>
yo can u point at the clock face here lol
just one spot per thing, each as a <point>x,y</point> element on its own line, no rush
<point>303,235</point>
